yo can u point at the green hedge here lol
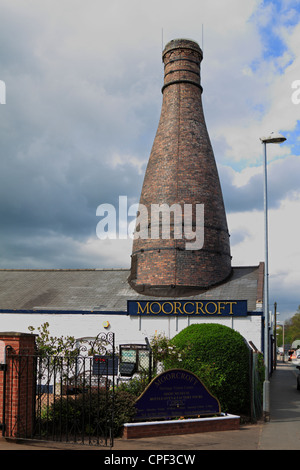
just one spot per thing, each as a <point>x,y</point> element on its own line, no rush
<point>220,357</point>
<point>94,410</point>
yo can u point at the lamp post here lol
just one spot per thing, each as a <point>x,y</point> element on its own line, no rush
<point>271,139</point>
<point>275,334</point>
<point>282,326</point>
<point>283,340</point>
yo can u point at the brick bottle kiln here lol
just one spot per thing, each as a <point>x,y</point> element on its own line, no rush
<point>181,171</point>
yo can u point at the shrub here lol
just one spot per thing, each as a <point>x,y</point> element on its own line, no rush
<point>124,410</point>
<point>134,387</point>
<point>164,350</point>
<point>95,410</point>
<point>220,357</point>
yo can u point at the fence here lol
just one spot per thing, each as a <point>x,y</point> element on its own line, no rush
<point>255,381</point>
<point>256,388</point>
<point>74,403</point>
<point>66,399</point>
<point>72,398</point>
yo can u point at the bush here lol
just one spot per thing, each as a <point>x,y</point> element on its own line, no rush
<point>163,350</point>
<point>94,410</point>
<point>220,357</point>
<point>134,386</point>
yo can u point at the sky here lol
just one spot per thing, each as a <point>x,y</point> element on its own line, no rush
<point>82,103</point>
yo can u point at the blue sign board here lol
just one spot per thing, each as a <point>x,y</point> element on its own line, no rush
<point>173,394</point>
<point>206,308</point>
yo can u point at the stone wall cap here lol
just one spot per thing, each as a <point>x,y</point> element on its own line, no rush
<point>14,333</point>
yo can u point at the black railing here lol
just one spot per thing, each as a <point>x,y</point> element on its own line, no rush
<point>62,398</point>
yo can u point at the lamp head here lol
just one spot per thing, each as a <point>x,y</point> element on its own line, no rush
<point>273,138</point>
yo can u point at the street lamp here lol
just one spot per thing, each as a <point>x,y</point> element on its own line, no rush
<point>274,334</point>
<point>273,138</point>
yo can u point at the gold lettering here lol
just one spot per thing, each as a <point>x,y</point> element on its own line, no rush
<point>231,303</point>
<point>184,308</point>
<point>168,303</point>
<point>197,308</point>
<point>219,311</point>
<point>151,308</point>
<point>206,308</point>
<point>177,305</point>
<point>140,308</point>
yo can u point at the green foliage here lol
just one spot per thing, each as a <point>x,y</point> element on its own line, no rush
<point>72,411</point>
<point>124,410</point>
<point>291,330</point>
<point>220,357</point>
<point>97,405</point>
<point>165,351</point>
<point>48,345</point>
<point>134,386</point>
<point>67,346</point>
<point>260,371</point>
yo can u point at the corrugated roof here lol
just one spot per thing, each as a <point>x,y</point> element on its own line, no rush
<point>104,290</point>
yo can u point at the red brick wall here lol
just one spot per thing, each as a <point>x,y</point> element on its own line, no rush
<point>182,427</point>
<point>182,170</point>
<point>20,384</point>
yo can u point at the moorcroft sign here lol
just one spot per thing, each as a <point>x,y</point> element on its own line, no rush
<point>187,307</point>
<point>174,393</point>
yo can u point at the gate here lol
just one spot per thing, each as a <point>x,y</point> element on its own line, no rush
<point>66,399</point>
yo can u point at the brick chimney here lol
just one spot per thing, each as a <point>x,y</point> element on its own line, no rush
<point>181,171</point>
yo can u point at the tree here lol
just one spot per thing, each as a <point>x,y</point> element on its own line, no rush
<point>291,330</point>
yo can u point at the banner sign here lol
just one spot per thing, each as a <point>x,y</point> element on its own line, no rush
<point>224,308</point>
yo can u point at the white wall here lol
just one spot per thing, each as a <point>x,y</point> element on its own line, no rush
<point>127,329</point>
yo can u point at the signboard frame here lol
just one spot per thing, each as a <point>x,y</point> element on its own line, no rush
<point>176,393</point>
<point>191,308</point>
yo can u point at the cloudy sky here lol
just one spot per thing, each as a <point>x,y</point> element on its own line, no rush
<point>83,98</point>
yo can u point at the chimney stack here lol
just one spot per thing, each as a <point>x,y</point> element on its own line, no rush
<point>181,174</point>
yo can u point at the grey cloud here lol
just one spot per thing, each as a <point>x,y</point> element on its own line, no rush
<point>81,89</point>
<point>283,182</point>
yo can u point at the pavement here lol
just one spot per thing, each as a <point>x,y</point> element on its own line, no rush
<point>280,432</point>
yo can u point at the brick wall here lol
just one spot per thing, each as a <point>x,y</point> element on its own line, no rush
<point>19,380</point>
<point>182,170</point>
<point>188,426</point>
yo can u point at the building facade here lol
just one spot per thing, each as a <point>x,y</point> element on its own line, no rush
<point>173,280</point>
<point>81,303</point>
